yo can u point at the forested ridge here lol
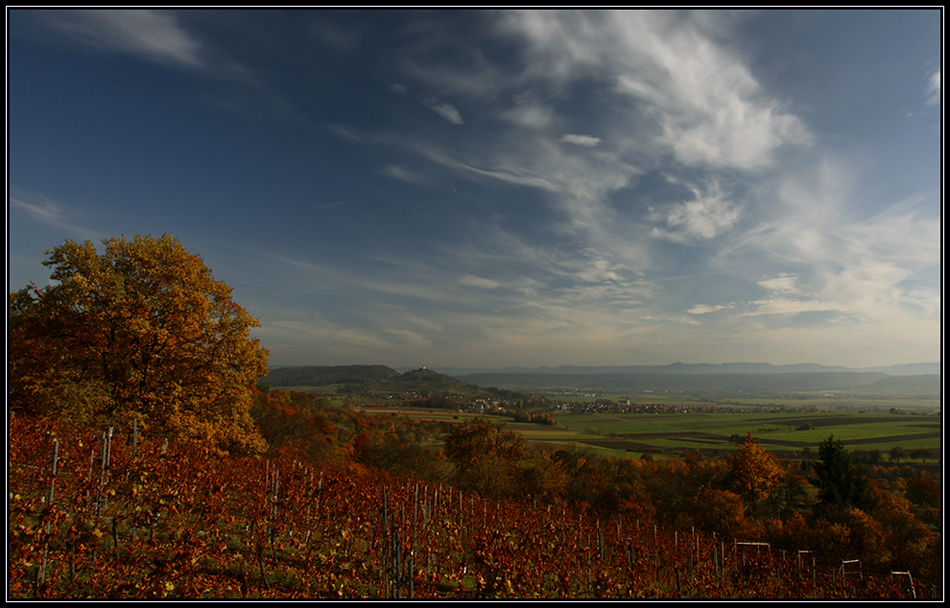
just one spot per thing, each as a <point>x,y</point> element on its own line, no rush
<point>379,379</point>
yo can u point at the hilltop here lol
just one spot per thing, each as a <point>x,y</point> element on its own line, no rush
<point>362,379</point>
<point>335,377</point>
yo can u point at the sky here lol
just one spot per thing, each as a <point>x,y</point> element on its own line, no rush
<point>482,189</point>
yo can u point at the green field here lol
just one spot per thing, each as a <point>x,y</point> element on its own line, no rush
<point>787,434</point>
<point>818,400</point>
<point>779,432</point>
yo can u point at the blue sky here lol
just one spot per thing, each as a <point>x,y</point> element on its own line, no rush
<point>486,189</point>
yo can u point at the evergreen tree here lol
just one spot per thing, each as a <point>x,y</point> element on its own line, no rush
<point>839,481</point>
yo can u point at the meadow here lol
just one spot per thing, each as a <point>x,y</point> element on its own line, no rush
<point>787,433</point>
<point>790,433</point>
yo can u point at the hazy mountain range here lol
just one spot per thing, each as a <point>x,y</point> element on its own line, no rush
<point>910,369</point>
<point>734,378</point>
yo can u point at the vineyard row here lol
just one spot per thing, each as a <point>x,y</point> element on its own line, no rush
<point>110,515</point>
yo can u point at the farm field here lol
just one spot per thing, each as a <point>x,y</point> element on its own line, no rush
<point>777,431</point>
<point>818,400</point>
<point>785,433</point>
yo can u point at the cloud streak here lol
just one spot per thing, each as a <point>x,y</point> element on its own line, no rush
<point>445,110</point>
<point>586,141</point>
<point>707,216</point>
<point>45,211</point>
<point>933,89</point>
<point>153,35</point>
<point>709,108</point>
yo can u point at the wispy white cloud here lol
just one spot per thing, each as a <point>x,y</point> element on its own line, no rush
<point>340,38</point>
<point>709,108</point>
<point>588,141</point>
<point>784,284</point>
<point>481,282</point>
<point>673,93</point>
<point>709,214</point>
<point>445,110</point>
<point>347,133</point>
<point>786,306</point>
<point>50,213</point>
<point>442,108</point>
<point>933,89</point>
<point>156,36</point>
<point>535,116</point>
<point>42,209</point>
<point>151,34</point>
<point>880,268</point>
<point>401,173</point>
<point>705,309</point>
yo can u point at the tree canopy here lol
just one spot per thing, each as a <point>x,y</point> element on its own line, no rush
<point>756,471</point>
<point>486,457</point>
<point>141,330</point>
<point>839,481</point>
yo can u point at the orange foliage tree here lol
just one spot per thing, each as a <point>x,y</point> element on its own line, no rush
<point>142,331</point>
<point>756,471</point>
<point>487,458</point>
<point>722,512</point>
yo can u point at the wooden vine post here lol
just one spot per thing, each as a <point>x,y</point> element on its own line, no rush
<point>50,497</point>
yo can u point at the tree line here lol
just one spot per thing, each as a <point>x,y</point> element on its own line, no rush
<point>833,503</point>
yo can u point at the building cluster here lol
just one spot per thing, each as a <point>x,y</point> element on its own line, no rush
<point>628,407</point>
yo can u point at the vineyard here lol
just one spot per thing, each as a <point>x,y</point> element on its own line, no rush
<point>112,515</point>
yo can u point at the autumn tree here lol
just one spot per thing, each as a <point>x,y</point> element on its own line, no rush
<point>543,478</point>
<point>720,511</point>
<point>141,330</point>
<point>487,458</point>
<point>755,471</point>
<point>897,454</point>
<point>922,491</point>
<point>907,538</point>
<point>851,533</point>
<point>293,423</point>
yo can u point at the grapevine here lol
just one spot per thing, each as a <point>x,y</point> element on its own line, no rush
<point>125,517</point>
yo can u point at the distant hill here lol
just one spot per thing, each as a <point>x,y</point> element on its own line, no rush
<point>732,383</point>
<point>755,378</point>
<point>364,378</point>
<point>911,369</point>
<point>422,380</point>
<point>328,375</point>
<point>924,384</point>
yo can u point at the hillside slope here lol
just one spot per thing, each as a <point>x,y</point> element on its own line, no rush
<point>315,375</point>
<point>370,378</point>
